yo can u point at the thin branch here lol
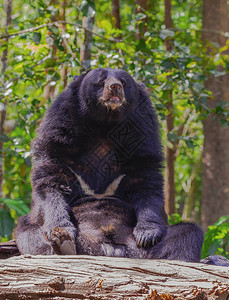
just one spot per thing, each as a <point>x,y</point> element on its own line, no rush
<point>225,34</point>
<point>56,24</point>
<point>66,42</point>
<point>26,30</point>
<point>183,129</point>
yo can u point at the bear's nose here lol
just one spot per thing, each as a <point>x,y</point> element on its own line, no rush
<point>115,87</point>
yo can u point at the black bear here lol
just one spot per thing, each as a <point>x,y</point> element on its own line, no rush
<point>97,176</point>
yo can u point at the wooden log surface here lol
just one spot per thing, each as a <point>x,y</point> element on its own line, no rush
<point>88,277</point>
<point>8,249</point>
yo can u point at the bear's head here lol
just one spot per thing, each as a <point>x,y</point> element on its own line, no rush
<point>108,94</point>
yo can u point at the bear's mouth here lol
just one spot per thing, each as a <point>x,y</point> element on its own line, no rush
<point>113,102</point>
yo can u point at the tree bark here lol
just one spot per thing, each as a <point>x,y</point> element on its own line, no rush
<point>8,249</point>
<point>116,13</point>
<point>64,70</point>
<point>85,50</point>
<point>170,151</point>
<point>142,7</point>
<point>6,22</point>
<point>170,161</point>
<point>88,277</point>
<point>189,212</point>
<point>50,89</point>
<point>215,192</point>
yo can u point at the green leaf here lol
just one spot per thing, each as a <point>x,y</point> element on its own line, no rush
<point>216,238</point>
<point>18,205</point>
<point>140,16</point>
<point>54,30</point>
<point>35,102</point>
<point>29,72</point>
<point>87,8</point>
<point>213,247</point>
<point>37,37</point>
<point>190,144</point>
<point>6,223</point>
<point>106,25</point>
<point>28,162</point>
<point>50,62</point>
<point>141,45</point>
<point>60,47</point>
<point>174,219</point>
<point>221,220</point>
<point>4,138</point>
<point>167,64</point>
<point>217,73</point>
<point>55,76</point>
<point>172,137</point>
<point>165,33</point>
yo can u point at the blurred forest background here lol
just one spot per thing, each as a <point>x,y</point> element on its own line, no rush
<point>178,48</point>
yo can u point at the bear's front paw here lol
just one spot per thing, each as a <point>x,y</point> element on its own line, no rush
<point>62,240</point>
<point>148,234</point>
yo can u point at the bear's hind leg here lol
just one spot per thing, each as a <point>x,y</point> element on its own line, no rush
<point>182,242</point>
<point>30,239</point>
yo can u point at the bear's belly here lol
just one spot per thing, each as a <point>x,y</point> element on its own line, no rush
<point>104,224</point>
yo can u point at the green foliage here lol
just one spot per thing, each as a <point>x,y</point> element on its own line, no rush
<point>6,223</point>
<point>216,239</point>
<point>9,211</point>
<point>174,219</point>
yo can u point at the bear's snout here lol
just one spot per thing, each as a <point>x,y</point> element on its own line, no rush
<point>115,87</point>
<point>113,94</point>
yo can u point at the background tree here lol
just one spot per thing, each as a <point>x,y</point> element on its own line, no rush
<point>6,21</point>
<point>170,148</point>
<point>85,50</point>
<point>141,8</point>
<point>215,191</point>
<point>116,13</point>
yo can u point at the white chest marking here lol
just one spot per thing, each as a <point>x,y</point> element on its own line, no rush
<point>110,190</point>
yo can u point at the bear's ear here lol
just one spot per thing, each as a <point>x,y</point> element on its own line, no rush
<point>142,86</point>
<point>76,77</point>
<point>142,92</point>
<point>142,89</point>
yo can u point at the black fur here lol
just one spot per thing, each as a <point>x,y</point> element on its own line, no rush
<point>97,182</point>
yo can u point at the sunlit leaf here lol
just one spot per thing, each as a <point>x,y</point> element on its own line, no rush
<point>20,207</point>
<point>165,33</point>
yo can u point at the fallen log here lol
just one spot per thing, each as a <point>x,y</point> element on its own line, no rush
<point>91,277</point>
<point>8,249</point>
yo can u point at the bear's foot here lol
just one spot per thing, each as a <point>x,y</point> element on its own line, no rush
<point>62,241</point>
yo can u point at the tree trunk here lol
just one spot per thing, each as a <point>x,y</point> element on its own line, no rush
<point>88,277</point>
<point>85,50</point>
<point>170,162</point>
<point>215,193</point>
<point>170,151</point>
<point>50,89</point>
<point>116,13</point>
<point>6,22</point>
<point>189,212</point>
<point>64,70</point>
<point>141,7</point>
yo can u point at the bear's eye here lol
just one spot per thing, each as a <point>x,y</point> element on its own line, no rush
<point>123,82</point>
<point>100,82</point>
